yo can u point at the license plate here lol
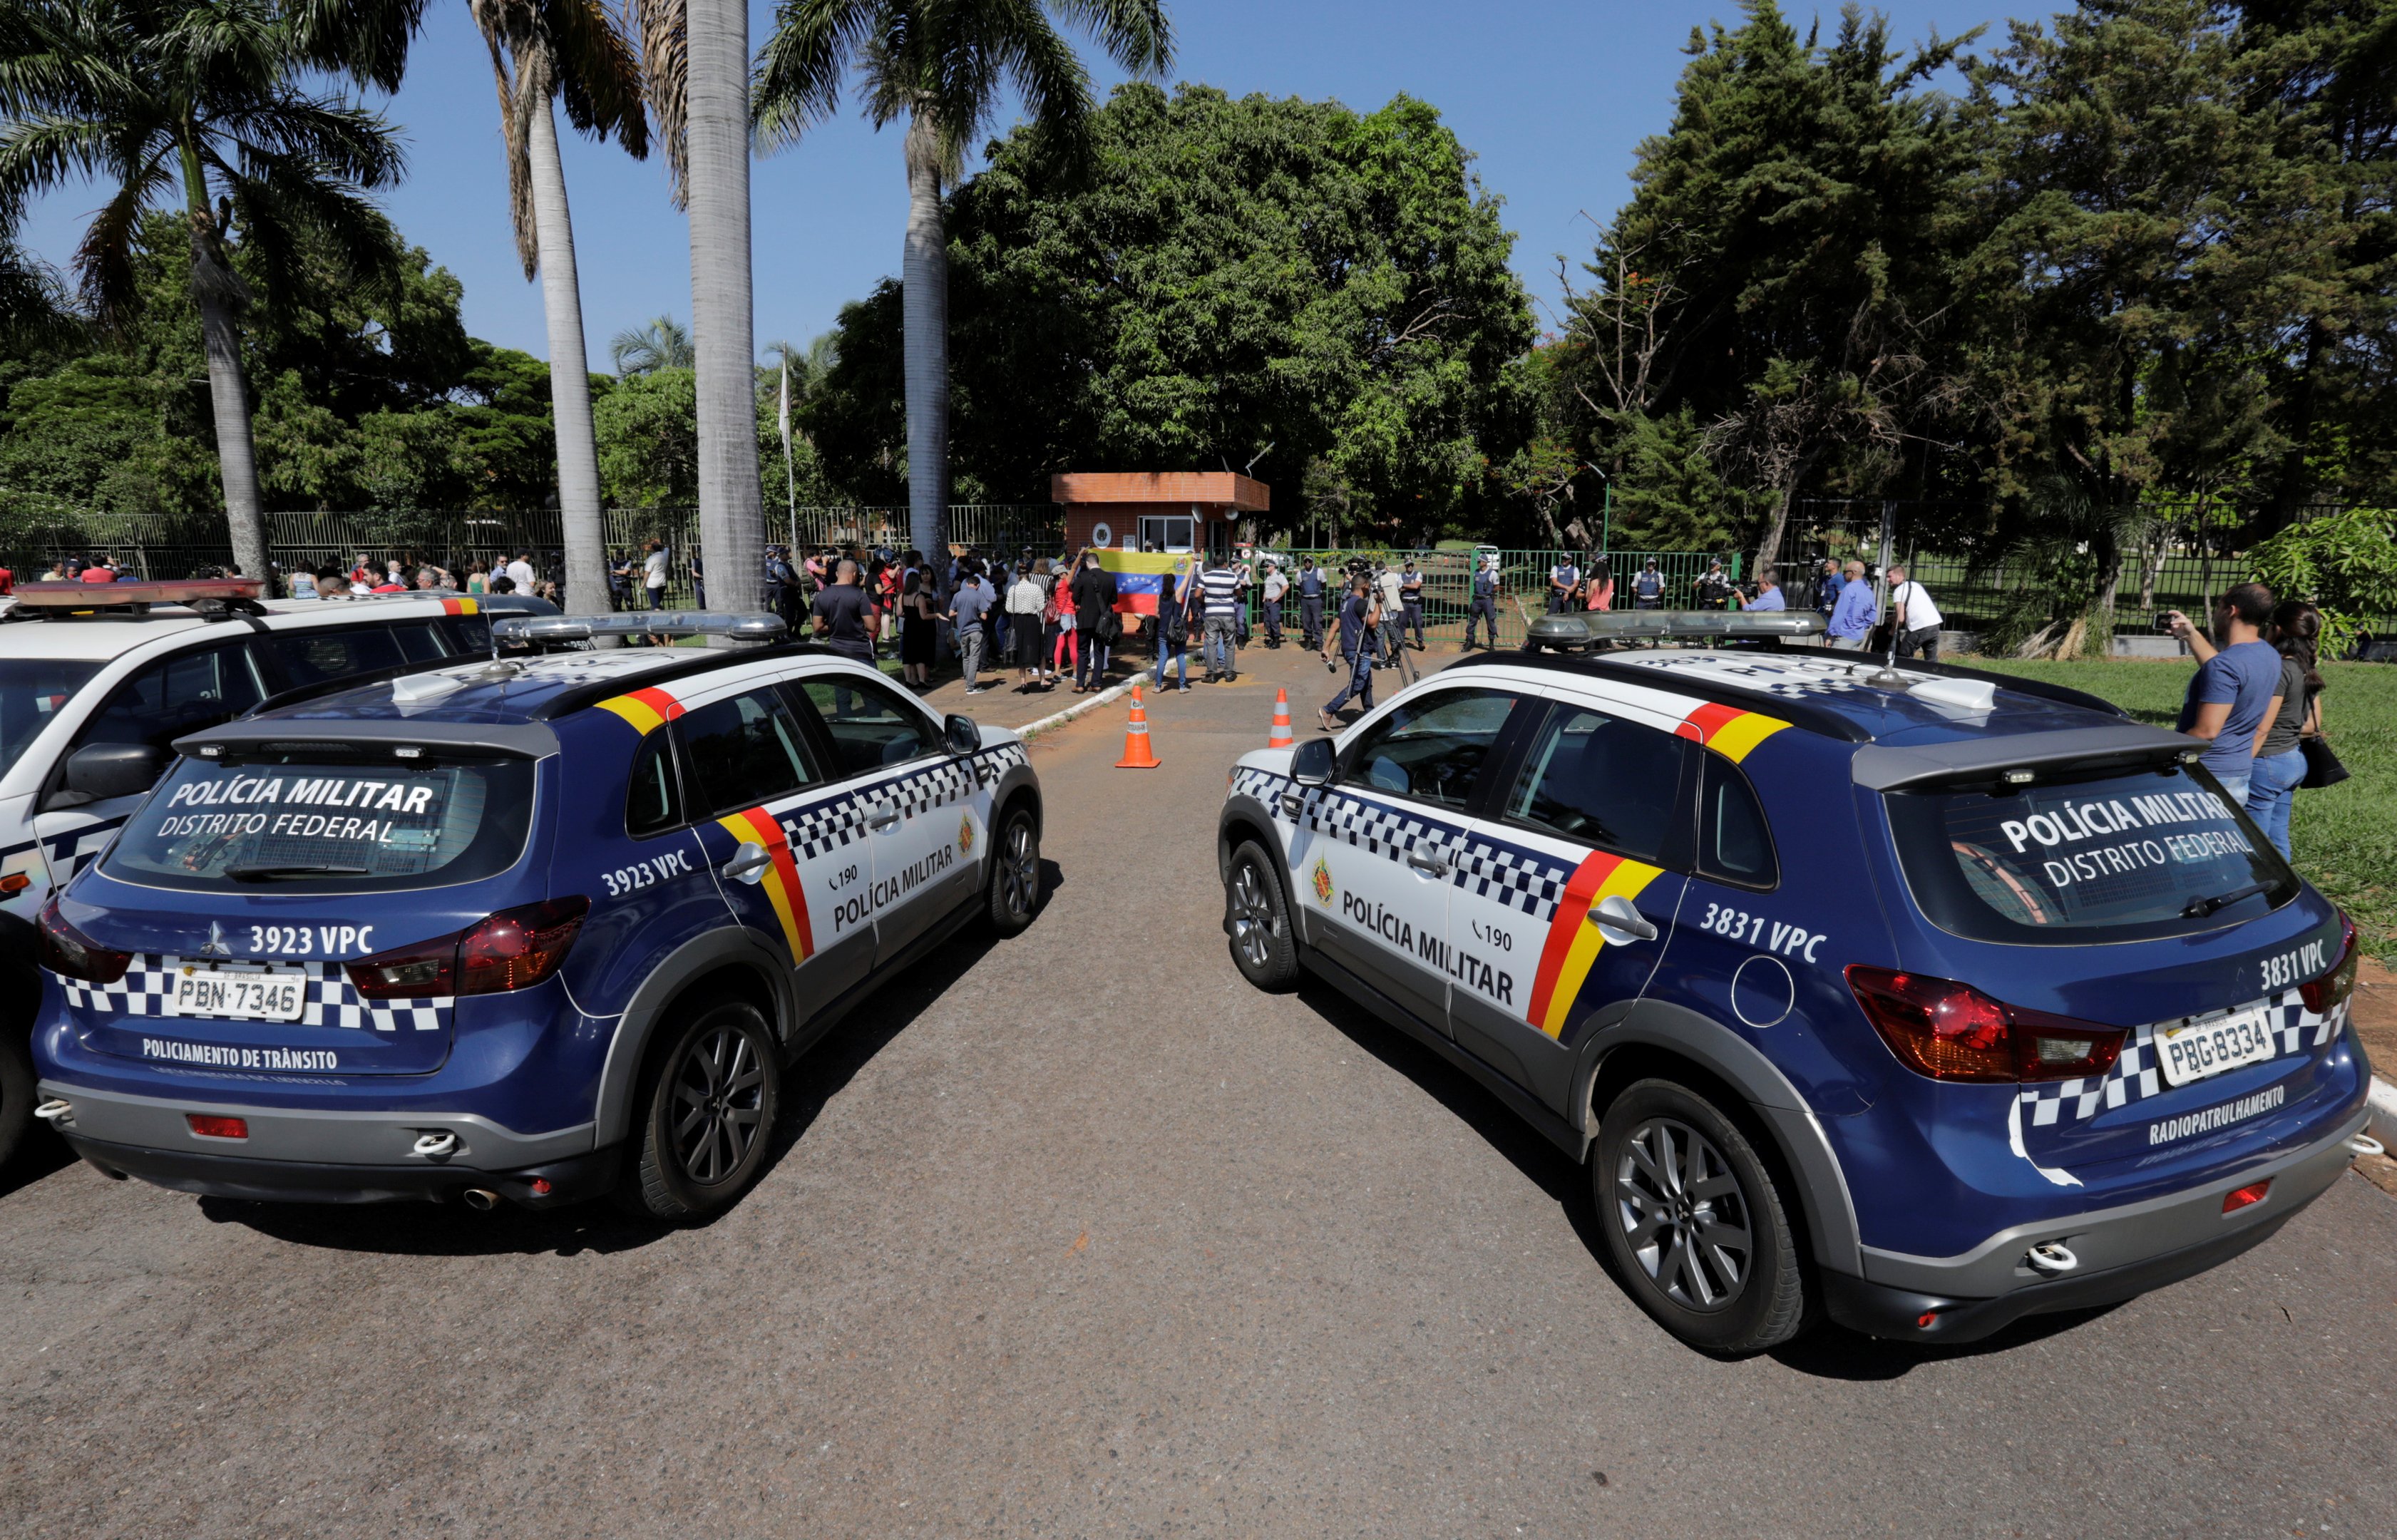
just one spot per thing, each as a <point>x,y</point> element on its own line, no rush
<point>2203,1049</point>
<point>275,997</point>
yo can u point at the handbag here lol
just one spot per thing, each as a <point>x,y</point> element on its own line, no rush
<point>2322,767</point>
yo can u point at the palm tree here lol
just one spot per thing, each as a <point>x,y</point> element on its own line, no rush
<point>940,65</point>
<point>543,50</point>
<point>808,365</point>
<point>662,343</point>
<point>695,56</point>
<point>201,100</point>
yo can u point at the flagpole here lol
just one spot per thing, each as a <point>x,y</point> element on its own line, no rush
<point>790,482</point>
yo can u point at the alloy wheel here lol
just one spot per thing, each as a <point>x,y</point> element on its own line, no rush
<point>719,1093</point>
<point>1019,871</point>
<point>1252,921</point>
<point>1684,1215</point>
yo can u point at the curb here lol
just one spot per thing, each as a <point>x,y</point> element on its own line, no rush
<point>2383,1112</point>
<point>1055,719</point>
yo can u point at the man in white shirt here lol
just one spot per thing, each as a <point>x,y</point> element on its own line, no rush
<point>1387,589</point>
<point>522,570</point>
<point>654,574</point>
<point>1914,615</point>
<point>1276,585</point>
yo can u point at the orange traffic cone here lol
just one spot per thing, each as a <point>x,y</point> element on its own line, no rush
<point>1137,754</point>
<point>1280,738</point>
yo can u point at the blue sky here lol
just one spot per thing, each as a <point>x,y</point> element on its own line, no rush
<point>1553,98</point>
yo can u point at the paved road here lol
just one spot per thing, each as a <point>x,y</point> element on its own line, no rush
<point>1078,1236</point>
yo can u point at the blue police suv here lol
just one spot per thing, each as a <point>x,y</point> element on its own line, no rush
<point>1923,998</point>
<point>525,931</point>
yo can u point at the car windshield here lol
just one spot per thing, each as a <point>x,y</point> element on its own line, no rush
<point>32,692</point>
<point>294,826</point>
<point>2120,856</point>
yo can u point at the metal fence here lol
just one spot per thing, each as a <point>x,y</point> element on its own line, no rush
<point>1523,580</point>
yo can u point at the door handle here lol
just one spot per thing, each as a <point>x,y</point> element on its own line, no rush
<point>1615,914</point>
<point>749,864</point>
<point>882,818</point>
<point>1430,865</point>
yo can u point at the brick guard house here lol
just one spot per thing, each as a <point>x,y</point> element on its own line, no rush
<point>1166,510</point>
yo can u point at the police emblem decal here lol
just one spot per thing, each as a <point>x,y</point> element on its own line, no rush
<point>1322,883</point>
<point>965,835</point>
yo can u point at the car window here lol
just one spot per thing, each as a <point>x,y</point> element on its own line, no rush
<point>312,657</point>
<point>32,692</point>
<point>1602,779</point>
<point>1733,844</point>
<point>870,725</point>
<point>177,695</point>
<point>746,750</point>
<point>420,641</point>
<point>1431,747</point>
<point>655,800</point>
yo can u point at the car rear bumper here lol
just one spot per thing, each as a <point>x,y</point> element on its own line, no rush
<point>543,1186</point>
<point>308,1154</point>
<point>2136,1249</point>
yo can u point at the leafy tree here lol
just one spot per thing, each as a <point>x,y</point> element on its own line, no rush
<point>1322,292</point>
<point>941,66</point>
<point>201,100</point>
<point>2344,563</point>
<point>661,343</point>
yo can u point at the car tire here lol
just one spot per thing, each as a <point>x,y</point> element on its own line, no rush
<point>707,1110</point>
<point>17,1083</point>
<point>1257,922</point>
<point>1669,1168</point>
<point>1014,895</point>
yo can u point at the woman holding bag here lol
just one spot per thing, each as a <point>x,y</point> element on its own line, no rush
<point>2295,715</point>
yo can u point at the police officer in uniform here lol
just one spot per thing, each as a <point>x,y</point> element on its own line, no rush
<point>1485,604</point>
<point>1310,603</point>
<point>1410,604</point>
<point>782,587</point>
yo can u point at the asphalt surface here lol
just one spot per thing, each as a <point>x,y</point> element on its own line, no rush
<point>1077,1235</point>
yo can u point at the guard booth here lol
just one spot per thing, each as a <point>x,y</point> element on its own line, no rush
<point>1155,510</point>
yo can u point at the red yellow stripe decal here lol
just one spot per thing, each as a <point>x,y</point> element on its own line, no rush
<point>1729,730</point>
<point>462,607</point>
<point>645,709</point>
<point>780,883</point>
<point>1573,944</point>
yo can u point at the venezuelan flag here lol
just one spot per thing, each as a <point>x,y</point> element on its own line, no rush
<point>1141,576</point>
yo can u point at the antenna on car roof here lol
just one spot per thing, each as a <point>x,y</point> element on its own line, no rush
<point>1887,676</point>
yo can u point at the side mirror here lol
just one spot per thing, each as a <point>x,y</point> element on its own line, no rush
<point>963,734</point>
<point>1311,762</point>
<point>97,772</point>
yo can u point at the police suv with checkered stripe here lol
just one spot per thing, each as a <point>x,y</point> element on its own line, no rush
<point>1919,997</point>
<point>97,681</point>
<point>526,931</point>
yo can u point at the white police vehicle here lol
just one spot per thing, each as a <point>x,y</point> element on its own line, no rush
<point>95,681</point>
<point>1918,997</point>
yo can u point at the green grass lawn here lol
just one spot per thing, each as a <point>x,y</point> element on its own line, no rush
<point>2345,838</point>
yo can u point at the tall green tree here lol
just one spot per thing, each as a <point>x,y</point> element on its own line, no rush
<point>544,51</point>
<point>204,101</point>
<point>1322,292</point>
<point>660,342</point>
<point>940,65</point>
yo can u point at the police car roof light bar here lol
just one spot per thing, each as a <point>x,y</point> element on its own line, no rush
<point>52,600</point>
<point>533,630</point>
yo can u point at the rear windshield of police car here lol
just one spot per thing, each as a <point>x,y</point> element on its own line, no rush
<point>2124,855</point>
<point>280,823</point>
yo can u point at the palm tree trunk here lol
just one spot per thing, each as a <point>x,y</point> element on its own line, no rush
<point>925,272</point>
<point>732,507</point>
<point>570,372</point>
<point>216,293</point>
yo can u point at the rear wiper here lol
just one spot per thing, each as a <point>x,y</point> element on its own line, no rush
<point>269,874</point>
<point>2198,908</point>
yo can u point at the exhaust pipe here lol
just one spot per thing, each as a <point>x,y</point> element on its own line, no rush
<point>481,1199</point>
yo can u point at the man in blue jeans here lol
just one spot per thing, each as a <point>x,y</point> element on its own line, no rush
<point>2232,692</point>
<point>1853,617</point>
<point>1485,603</point>
<point>1361,620</point>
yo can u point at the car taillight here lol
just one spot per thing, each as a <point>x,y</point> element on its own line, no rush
<point>518,947</point>
<point>512,949</point>
<point>2335,987</point>
<point>69,953</point>
<point>1951,1031</point>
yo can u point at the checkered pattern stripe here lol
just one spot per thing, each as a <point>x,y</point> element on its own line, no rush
<point>820,828</point>
<point>2136,1076</point>
<point>936,785</point>
<point>331,1003</point>
<point>1523,879</point>
<point>824,826</point>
